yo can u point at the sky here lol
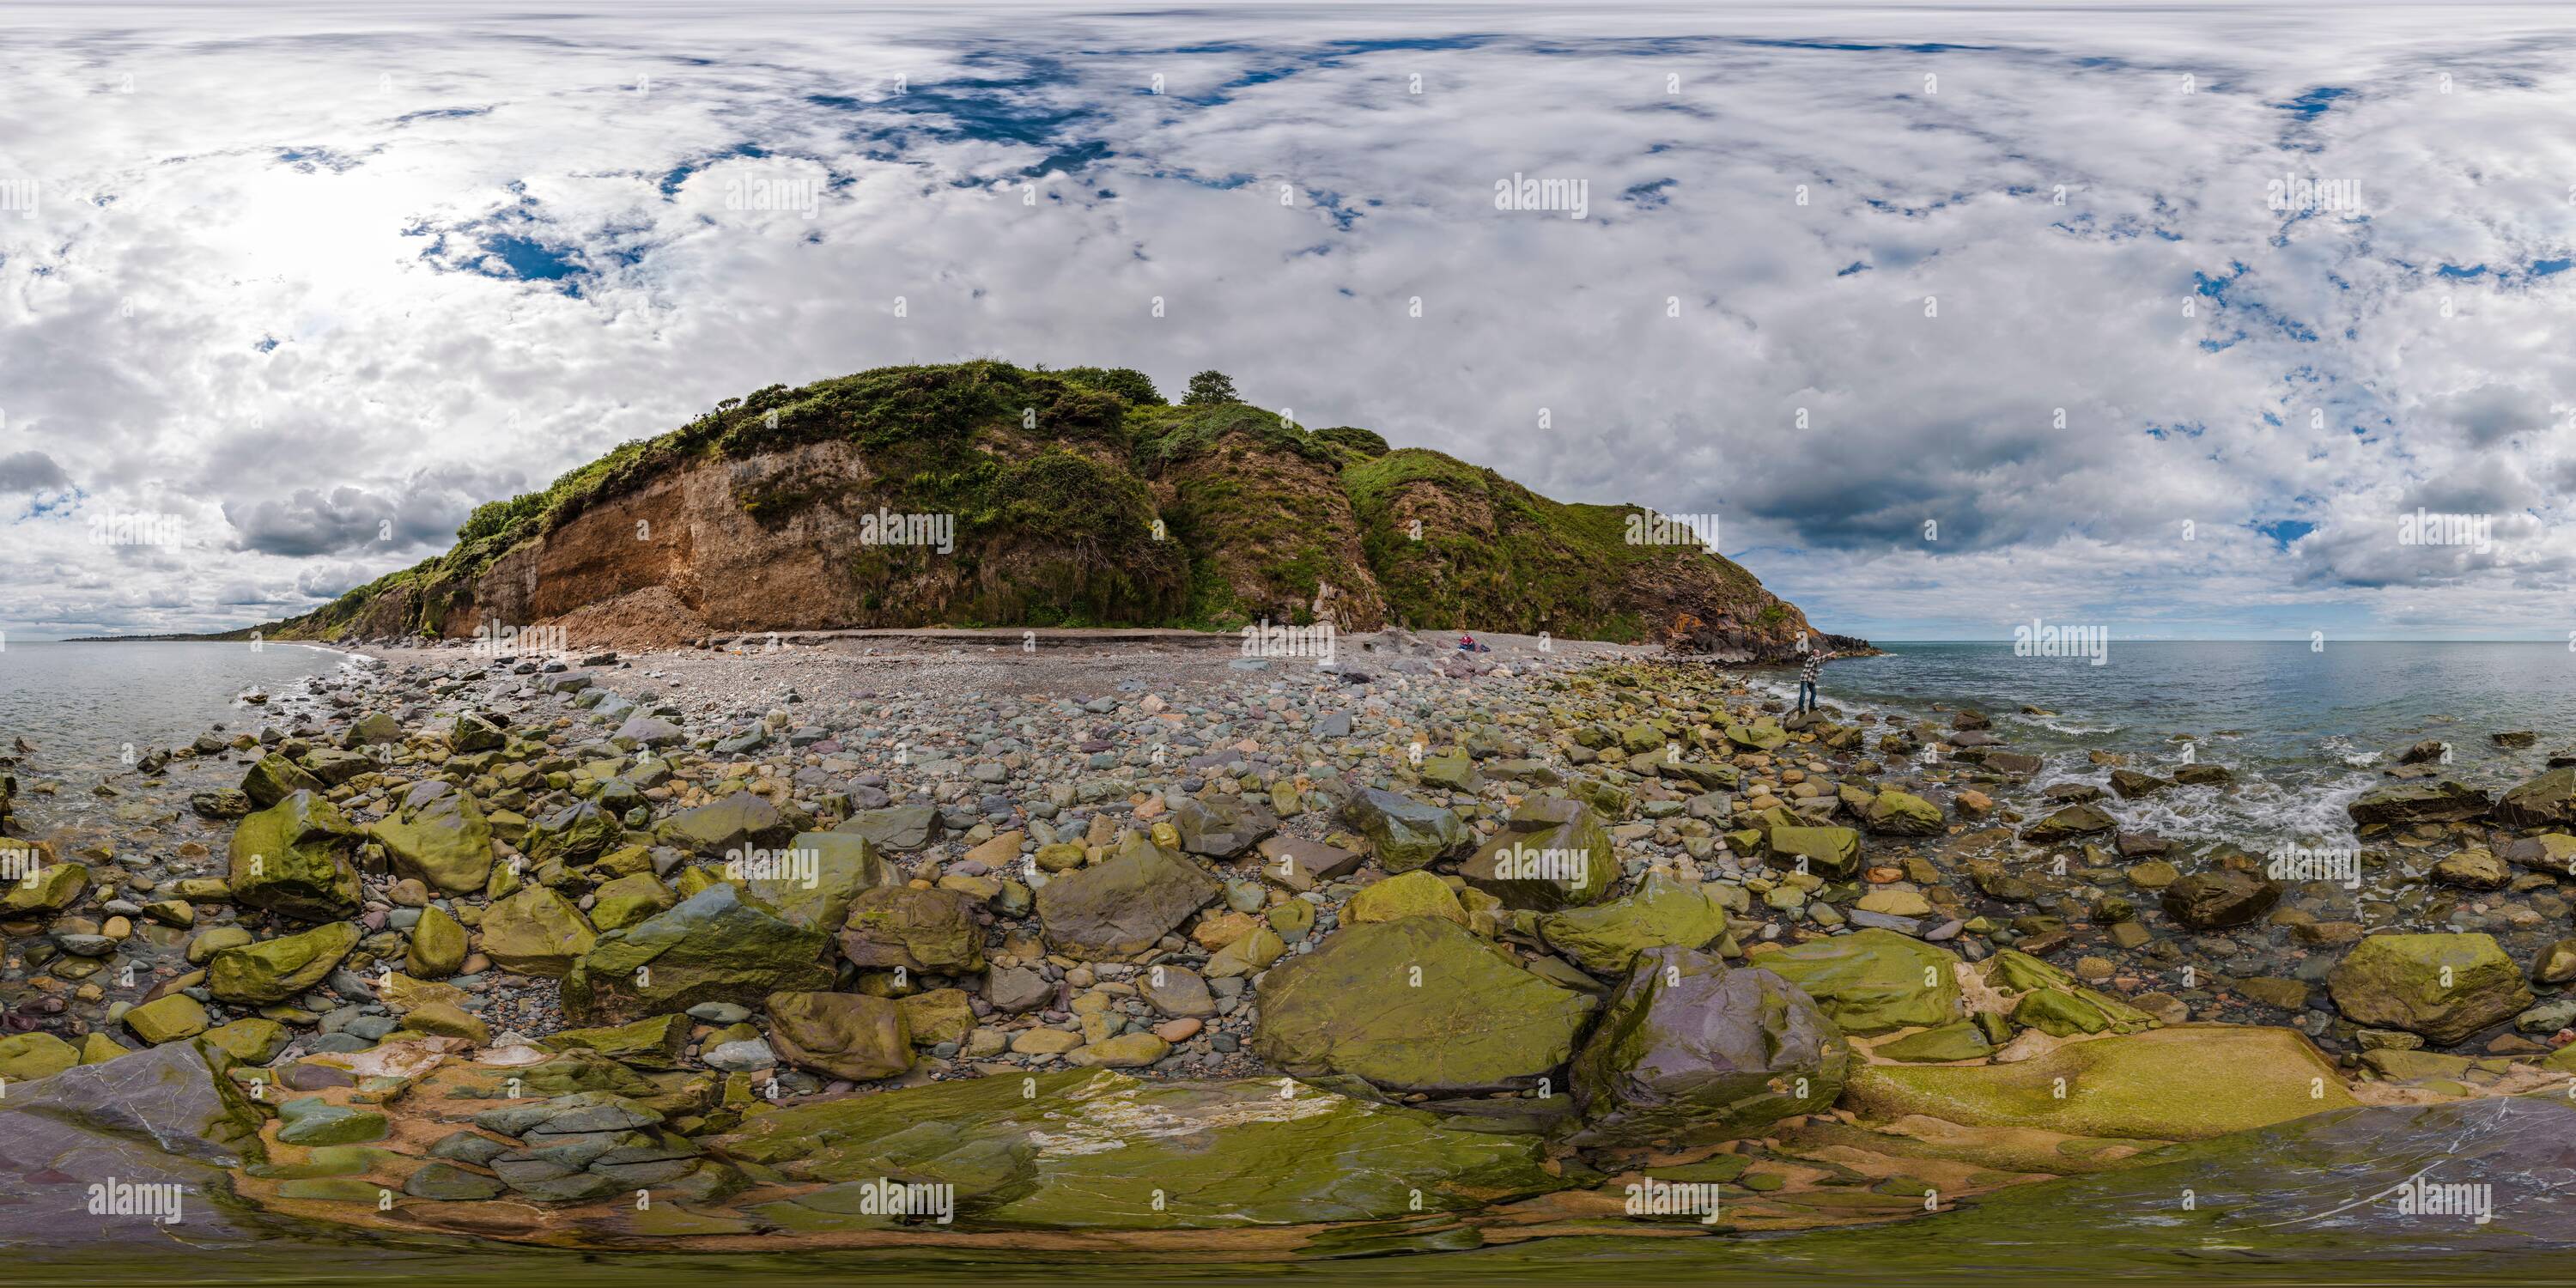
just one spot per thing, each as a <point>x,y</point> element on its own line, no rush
<point>2191,321</point>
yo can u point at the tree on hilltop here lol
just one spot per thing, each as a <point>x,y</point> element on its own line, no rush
<point>1210,387</point>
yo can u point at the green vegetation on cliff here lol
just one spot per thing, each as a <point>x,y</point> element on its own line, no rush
<point>1080,498</point>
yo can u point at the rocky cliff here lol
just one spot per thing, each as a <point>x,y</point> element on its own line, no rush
<point>982,494</point>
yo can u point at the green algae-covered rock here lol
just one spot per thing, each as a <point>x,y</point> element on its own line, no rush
<point>628,900</point>
<point>1551,853</point>
<point>654,1043</point>
<point>315,1121</point>
<point>2418,802</point>
<point>274,970</point>
<point>1761,735</point>
<point>1096,1149</point>
<point>438,945</point>
<point>742,821</point>
<point>536,932</point>
<point>1418,1004</point>
<point>572,835</point>
<point>2069,823</point>
<point>1664,911</point>
<point>46,887</point>
<point>2548,799</point>
<point>713,947</point>
<point>1690,1052</point>
<point>274,778</point>
<point>28,1056</point>
<point>440,837</point>
<point>1124,905</point>
<point>167,1019</point>
<point>1872,981</point>
<point>2444,986</point>
<point>846,1035</point>
<point>1826,851</point>
<point>916,930</point>
<point>293,858</point>
<point>2055,1003</point>
<point>1895,813</point>
<point>2188,1082</point>
<point>1405,833</point>
<point>1960,1040</point>
<point>1409,894</point>
<point>843,864</point>
<point>251,1040</point>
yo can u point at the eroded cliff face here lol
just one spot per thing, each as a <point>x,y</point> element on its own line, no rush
<point>982,495</point>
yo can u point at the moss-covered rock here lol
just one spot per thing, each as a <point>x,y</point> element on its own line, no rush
<point>1824,851</point>
<point>274,778</point>
<point>656,1042</point>
<point>1124,905</point>
<point>1664,911</point>
<point>1410,894</point>
<point>1418,1004</point>
<point>440,837</point>
<point>1872,981</point>
<point>1404,833</point>
<point>2444,986</point>
<point>438,945</point>
<point>713,947</point>
<point>293,858</point>
<point>168,1018</point>
<point>1895,813</point>
<point>25,1057</point>
<point>1551,853</point>
<point>916,930</point>
<point>274,970</point>
<point>1095,1149</point>
<point>2189,1082</point>
<point>46,888</point>
<point>844,864</point>
<point>742,821</point>
<point>846,1035</point>
<point>537,932</point>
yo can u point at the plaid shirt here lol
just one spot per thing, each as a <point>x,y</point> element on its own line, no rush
<point>1807,670</point>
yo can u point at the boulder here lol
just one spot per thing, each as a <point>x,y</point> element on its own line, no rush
<point>1222,828</point>
<point>844,865</point>
<point>1551,853</point>
<point>1689,1052</point>
<point>274,778</point>
<point>25,1057</point>
<point>1404,833</point>
<point>274,970</point>
<point>1825,851</point>
<point>293,859</point>
<point>1410,894</point>
<point>1895,813</point>
<point>1066,1153</point>
<point>2188,1082</point>
<point>846,1035</point>
<point>1664,911</point>
<point>899,827</point>
<point>2541,802</point>
<point>164,1115</point>
<point>1123,905</point>
<point>573,835</point>
<point>168,1018</point>
<point>658,1042</point>
<point>742,821</point>
<point>2418,802</point>
<point>48,888</point>
<point>1417,1004</point>
<point>1872,981</point>
<point>713,947</point>
<point>441,838</point>
<point>2069,823</point>
<point>915,930</point>
<point>2444,986</point>
<point>536,932</point>
<point>2219,898</point>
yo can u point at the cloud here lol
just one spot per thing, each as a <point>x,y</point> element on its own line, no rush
<point>31,472</point>
<point>2023,277</point>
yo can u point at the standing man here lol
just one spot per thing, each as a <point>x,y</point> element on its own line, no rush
<point>1807,680</point>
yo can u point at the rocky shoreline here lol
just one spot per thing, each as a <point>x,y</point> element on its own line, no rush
<point>867,945</point>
